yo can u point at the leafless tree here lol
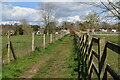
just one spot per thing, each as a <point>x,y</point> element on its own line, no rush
<point>47,12</point>
<point>110,6</point>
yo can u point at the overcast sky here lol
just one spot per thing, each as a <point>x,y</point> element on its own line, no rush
<point>13,12</point>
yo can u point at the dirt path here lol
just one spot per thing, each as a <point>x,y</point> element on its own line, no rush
<point>52,65</point>
<point>57,66</point>
<point>31,72</point>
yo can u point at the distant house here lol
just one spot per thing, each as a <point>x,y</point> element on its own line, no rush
<point>109,29</point>
<point>37,33</point>
<point>65,31</point>
<point>12,32</point>
<point>103,30</point>
<point>112,29</point>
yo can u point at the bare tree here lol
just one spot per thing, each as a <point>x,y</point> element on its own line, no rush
<point>110,6</point>
<point>113,7</point>
<point>47,11</point>
<point>26,27</point>
<point>93,20</point>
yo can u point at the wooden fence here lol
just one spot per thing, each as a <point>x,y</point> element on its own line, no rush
<point>90,61</point>
<point>11,54</point>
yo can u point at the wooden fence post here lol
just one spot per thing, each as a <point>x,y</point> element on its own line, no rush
<point>50,38</point>
<point>12,50</point>
<point>56,37</point>
<point>8,45</point>
<point>60,35</point>
<point>44,41</point>
<point>102,44</point>
<point>33,41</point>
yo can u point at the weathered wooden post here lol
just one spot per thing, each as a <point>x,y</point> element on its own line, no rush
<point>44,41</point>
<point>56,36</point>
<point>8,45</point>
<point>33,41</point>
<point>61,35</point>
<point>102,44</point>
<point>50,38</point>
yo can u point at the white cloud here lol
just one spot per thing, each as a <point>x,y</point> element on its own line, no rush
<point>8,22</point>
<point>69,19</point>
<point>18,13</point>
<point>73,19</point>
<point>72,9</point>
<point>71,12</point>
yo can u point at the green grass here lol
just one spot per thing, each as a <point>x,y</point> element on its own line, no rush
<point>112,57</point>
<point>46,69</point>
<point>72,64</point>
<point>105,32</point>
<point>111,38</point>
<point>17,67</point>
<point>22,44</point>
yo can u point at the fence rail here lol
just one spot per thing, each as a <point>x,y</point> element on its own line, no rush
<point>91,61</point>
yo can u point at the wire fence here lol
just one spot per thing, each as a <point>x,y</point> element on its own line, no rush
<point>23,45</point>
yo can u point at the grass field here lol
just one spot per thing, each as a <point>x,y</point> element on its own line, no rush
<point>60,62</point>
<point>59,57</point>
<point>18,67</point>
<point>22,45</point>
<point>111,38</point>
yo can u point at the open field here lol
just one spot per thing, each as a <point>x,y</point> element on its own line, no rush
<point>56,61</point>
<point>22,45</point>
<point>108,37</point>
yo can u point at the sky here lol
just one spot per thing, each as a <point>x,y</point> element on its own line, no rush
<point>13,12</point>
